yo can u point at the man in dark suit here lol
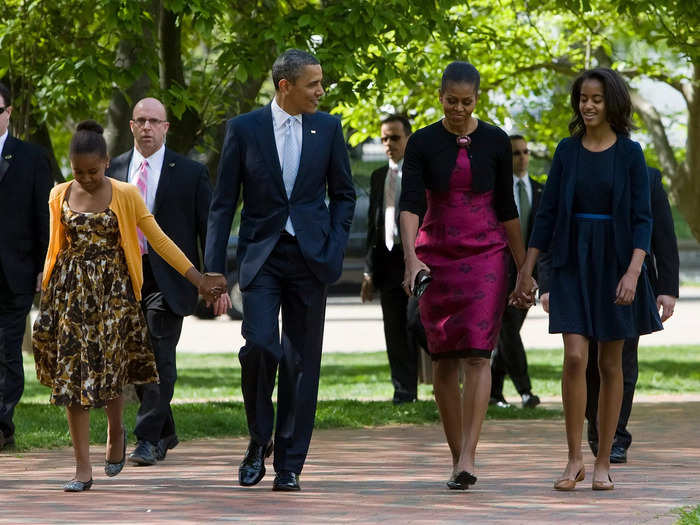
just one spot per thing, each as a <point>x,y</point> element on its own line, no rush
<point>177,192</point>
<point>25,183</point>
<point>384,266</point>
<point>284,158</point>
<point>509,355</point>
<point>663,269</point>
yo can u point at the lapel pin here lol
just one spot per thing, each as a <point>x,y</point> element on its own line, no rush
<point>8,157</point>
<point>313,131</point>
<point>172,164</point>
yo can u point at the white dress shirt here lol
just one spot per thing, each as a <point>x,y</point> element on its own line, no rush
<point>391,228</point>
<point>155,166</point>
<point>279,121</point>
<point>528,189</point>
<point>3,138</point>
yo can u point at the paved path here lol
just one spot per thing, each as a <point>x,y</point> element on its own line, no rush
<point>355,327</point>
<point>388,475</point>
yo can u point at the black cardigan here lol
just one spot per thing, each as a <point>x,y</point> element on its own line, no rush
<point>431,154</point>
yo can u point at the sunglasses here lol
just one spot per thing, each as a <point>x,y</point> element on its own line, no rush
<point>392,138</point>
<point>517,153</point>
<point>2,109</point>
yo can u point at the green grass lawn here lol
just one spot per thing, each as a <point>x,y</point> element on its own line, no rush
<point>355,391</point>
<point>688,516</point>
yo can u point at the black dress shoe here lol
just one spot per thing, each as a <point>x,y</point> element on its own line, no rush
<point>75,485</point>
<point>112,469</point>
<point>461,481</point>
<point>530,400</point>
<point>252,468</point>
<point>401,398</point>
<point>6,442</point>
<point>286,481</point>
<point>500,402</point>
<point>594,447</point>
<point>144,454</point>
<point>618,454</point>
<point>165,444</point>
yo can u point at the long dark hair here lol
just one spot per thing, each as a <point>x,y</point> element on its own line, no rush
<point>618,105</point>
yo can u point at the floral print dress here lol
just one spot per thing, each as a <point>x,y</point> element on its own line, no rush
<point>90,338</point>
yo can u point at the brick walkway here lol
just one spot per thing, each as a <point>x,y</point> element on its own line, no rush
<point>390,475</point>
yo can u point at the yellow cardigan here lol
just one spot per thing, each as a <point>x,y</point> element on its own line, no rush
<point>131,212</point>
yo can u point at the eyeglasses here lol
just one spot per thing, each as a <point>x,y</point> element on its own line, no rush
<point>141,122</point>
<point>392,138</point>
<point>517,153</point>
<point>2,109</point>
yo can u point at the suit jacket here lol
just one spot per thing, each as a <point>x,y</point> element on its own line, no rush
<point>249,160</point>
<point>631,209</point>
<point>537,189</point>
<point>180,209</point>
<point>662,263</point>
<point>25,183</point>
<point>384,268</point>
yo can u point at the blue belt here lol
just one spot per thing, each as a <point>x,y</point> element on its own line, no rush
<point>596,216</point>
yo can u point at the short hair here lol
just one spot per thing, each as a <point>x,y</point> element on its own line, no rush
<point>618,105</point>
<point>5,93</point>
<point>402,120</point>
<point>290,64</point>
<point>460,73</point>
<point>517,137</point>
<point>88,139</point>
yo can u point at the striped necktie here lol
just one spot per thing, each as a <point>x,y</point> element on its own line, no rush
<point>142,185</point>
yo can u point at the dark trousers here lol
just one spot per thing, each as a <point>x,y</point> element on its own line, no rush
<point>509,355</point>
<point>13,317</point>
<point>630,371</point>
<point>401,350</point>
<point>154,419</point>
<point>284,282</point>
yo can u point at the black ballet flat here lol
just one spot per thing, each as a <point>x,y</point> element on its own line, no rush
<point>461,481</point>
<point>75,485</point>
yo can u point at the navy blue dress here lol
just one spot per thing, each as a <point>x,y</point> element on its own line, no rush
<point>582,292</point>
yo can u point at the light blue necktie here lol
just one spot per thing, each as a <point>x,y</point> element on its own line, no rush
<point>290,165</point>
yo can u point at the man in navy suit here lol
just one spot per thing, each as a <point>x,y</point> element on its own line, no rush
<point>25,183</point>
<point>177,191</point>
<point>284,158</point>
<point>509,355</point>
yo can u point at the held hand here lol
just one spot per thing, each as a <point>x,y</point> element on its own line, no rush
<point>544,299</point>
<point>413,266</point>
<point>668,303</point>
<point>39,278</point>
<point>523,296</point>
<point>222,305</point>
<point>367,290</point>
<point>212,286</point>
<point>626,289</point>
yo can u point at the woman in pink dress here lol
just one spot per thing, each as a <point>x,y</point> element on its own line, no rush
<point>458,173</point>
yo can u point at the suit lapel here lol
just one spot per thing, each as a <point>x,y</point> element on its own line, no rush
<point>121,167</point>
<point>169,165</point>
<point>7,154</point>
<point>265,137</point>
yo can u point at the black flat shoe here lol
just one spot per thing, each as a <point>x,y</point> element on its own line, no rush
<point>461,481</point>
<point>618,454</point>
<point>252,468</point>
<point>165,444</point>
<point>112,469</point>
<point>286,481</point>
<point>76,485</point>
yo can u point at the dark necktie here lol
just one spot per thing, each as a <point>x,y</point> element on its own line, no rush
<point>525,208</point>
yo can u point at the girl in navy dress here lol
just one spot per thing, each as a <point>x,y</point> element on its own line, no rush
<point>595,218</point>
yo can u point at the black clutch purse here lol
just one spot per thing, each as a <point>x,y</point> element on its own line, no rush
<point>422,281</point>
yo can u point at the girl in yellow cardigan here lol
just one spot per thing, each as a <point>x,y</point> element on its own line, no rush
<point>90,338</point>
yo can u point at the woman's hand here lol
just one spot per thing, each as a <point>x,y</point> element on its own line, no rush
<point>626,288</point>
<point>212,286</point>
<point>413,266</point>
<point>523,296</point>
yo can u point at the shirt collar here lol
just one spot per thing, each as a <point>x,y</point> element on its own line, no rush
<point>154,160</point>
<point>396,165</point>
<point>525,179</point>
<point>3,139</point>
<point>280,116</point>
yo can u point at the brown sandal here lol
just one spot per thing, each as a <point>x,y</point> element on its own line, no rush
<point>566,484</point>
<point>603,485</point>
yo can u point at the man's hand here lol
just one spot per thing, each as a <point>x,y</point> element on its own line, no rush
<point>668,303</point>
<point>367,290</point>
<point>222,305</point>
<point>544,300</point>
<point>39,278</point>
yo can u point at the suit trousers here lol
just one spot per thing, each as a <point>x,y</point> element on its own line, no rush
<point>509,355</point>
<point>154,419</point>
<point>13,315</point>
<point>284,282</point>
<point>401,350</point>
<point>630,372</point>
